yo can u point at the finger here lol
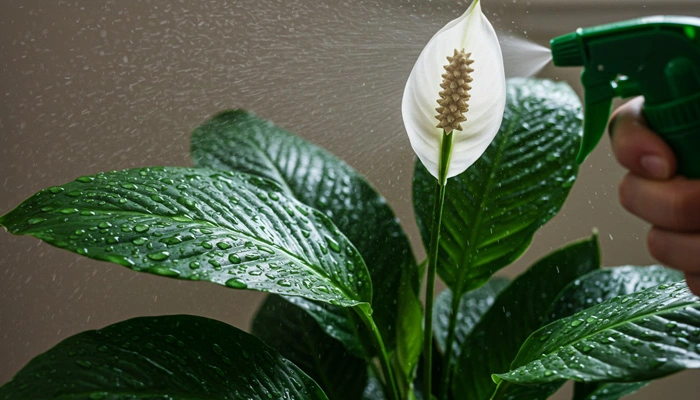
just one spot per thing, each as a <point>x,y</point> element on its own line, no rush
<point>677,250</point>
<point>636,146</point>
<point>693,282</point>
<point>671,205</point>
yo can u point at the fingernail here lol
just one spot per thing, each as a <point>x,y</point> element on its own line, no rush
<point>655,166</point>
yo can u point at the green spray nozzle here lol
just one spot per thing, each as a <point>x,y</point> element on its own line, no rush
<point>656,57</point>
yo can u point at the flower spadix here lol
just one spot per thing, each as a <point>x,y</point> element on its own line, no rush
<point>469,92</point>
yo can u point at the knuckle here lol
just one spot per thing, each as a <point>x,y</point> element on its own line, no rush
<point>682,209</point>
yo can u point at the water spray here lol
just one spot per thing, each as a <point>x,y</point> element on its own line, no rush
<point>655,57</point>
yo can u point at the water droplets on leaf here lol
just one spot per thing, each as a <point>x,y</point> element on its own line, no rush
<point>159,256</point>
<point>163,271</point>
<point>236,283</point>
<point>141,228</point>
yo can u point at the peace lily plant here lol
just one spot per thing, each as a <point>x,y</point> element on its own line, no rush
<point>265,210</point>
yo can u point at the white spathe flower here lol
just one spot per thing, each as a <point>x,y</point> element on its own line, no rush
<point>473,33</point>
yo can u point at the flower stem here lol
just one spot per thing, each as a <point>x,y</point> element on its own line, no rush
<point>445,152</point>
<point>383,356</point>
<point>449,344</point>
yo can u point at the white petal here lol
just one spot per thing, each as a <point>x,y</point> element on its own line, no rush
<point>473,33</point>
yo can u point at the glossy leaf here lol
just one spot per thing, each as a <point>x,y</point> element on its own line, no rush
<point>603,285</point>
<point>340,323</point>
<point>177,357</point>
<point>605,391</point>
<point>519,310</point>
<point>409,337</point>
<point>298,338</point>
<point>472,307</point>
<point>232,229</point>
<point>240,141</point>
<point>640,336</point>
<point>493,209</point>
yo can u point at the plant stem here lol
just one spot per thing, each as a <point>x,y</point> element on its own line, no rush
<point>445,152</point>
<point>383,356</point>
<point>449,343</point>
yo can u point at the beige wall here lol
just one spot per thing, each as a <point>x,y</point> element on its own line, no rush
<point>88,86</point>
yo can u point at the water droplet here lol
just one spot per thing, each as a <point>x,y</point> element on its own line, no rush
<point>163,271</point>
<point>236,283</point>
<point>215,264</point>
<point>74,193</point>
<point>84,363</point>
<point>170,241</point>
<point>657,362</point>
<point>548,372</point>
<point>56,189</point>
<point>68,211</point>
<point>217,349</point>
<point>189,203</point>
<point>234,259</point>
<point>333,244</point>
<point>128,185</point>
<point>576,323</point>
<point>35,221</point>
<point>206,245</point>
<point>159,256</point>
<point>88,213</point>
<point>194,265</point>
<point>139,241</point>
<point>140,228</point>
<point>104,225</point>
<point>284,283</point>
<point>181,218</point>
<point>86,179</point>
<point>223,245</point>
<point>586,348</point>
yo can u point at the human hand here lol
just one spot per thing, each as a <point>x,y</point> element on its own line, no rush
<point>652,191</point>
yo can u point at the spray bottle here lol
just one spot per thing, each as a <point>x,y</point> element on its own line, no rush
<point>656,57</point>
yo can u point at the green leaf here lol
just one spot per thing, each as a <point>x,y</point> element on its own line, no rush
<point>298,338</point>
<point>410,337</point>
<point>604,284</point>
<point>472,307</point>
<point>239,141</point>
<point>340,323</point>
<point>177,357</point>
<point>232,229</point>
<point>518,311</point>
<point>605,391</point>
<point>639,336</point>
<point>600,286</point>
<point>493,209</point>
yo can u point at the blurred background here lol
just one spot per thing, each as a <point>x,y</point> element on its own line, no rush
<point>90,86</point>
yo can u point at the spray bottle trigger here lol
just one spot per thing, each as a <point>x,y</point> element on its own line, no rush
<point>625,87</point>
<point>595,122</point>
